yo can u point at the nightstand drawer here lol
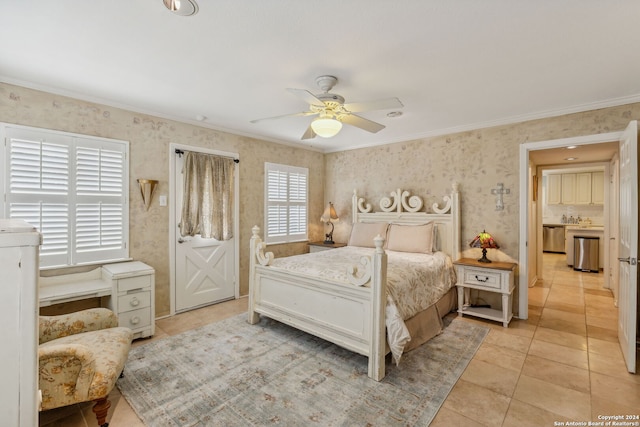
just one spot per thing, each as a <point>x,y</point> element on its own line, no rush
<point>485,279</point>
<point>134,301</point>
<point>138,282</point>
<point>135,319</point>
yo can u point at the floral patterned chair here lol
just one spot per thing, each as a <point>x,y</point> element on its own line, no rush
<point>81,356</point>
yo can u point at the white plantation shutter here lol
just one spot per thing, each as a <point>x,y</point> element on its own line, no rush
<point>286,189</point>
<point>73,189</point>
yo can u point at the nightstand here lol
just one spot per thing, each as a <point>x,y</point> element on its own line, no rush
<point>322,246</point>
<point>491,277</point>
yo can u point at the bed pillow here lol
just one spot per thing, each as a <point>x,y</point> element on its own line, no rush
<point>362,233</point>
<point>411,238</point>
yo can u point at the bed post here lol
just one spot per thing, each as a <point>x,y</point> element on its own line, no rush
<point>455,216</point>
<point>376,368</point>
<point>253,317</point>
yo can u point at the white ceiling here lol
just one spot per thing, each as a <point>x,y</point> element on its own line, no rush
<point>455,65</point>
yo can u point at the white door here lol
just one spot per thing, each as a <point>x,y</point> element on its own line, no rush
<point>204,268</point>
<point>628,245</point>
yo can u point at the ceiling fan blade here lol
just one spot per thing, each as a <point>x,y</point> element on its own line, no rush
<point>307,96</point>
<point>362,123</point>
<point>381,104</point>
<point>308,134</point>
<point>300,114</point>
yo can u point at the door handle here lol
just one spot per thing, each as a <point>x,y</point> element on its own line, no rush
<point>627,260</point>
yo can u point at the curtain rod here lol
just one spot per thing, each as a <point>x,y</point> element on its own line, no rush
<point>180,152</point>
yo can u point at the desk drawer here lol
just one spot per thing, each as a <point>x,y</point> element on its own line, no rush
<point>138,282</point>
<point>134,301</point>
<point>136,319</point>
<point>485,279</point>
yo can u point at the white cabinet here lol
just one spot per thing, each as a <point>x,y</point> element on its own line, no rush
<point>19,247</point>
<point>554,189</point>
<point>568,188</point>
<point>132,298</point>
<point>583,188</point>
<point>597,188</point>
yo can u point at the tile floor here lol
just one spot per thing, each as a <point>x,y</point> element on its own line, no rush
<point>562,364</point>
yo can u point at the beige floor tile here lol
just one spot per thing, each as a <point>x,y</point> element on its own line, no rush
<point>538,296</point>
<point>566,339</point>
<point>500,356</point>
<point>566,295</point>
<point>603,322</point>
<point>557,373</point>
<point>626,393</point>
<point>478,403</point>
<point>604,334</point>
<point>607,348</point>
<point>552,314</point>
<point>612,365</point>
<point>521,414</point>
<point>508,340</point>
<point>448,418</point>
<point>569,403</point>
<point>491,376</point>
<point>559,353</point>
<point>561,306</point>
<point>564,325</point>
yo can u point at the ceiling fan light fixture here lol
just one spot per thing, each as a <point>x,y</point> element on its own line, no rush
<point>326,126</point>
<point>182,7</point>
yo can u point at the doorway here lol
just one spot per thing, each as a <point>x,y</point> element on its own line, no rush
<point>203,271</point>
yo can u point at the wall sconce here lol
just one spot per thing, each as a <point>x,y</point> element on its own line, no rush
<point>147,187</point>
<point>329,216</point>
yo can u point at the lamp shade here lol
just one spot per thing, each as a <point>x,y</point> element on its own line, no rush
<point>326,126</point>
<point>485,241</point>
<point>329,213</point>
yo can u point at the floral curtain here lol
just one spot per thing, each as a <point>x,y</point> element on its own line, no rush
<point>207,203</point>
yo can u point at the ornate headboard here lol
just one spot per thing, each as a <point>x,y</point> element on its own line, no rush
<point>402,208</point>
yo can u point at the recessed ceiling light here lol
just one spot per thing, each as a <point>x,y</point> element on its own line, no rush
<point>571,158</point>
<point>571,147</point>
<point>182,7</point>
<point>394,114</point>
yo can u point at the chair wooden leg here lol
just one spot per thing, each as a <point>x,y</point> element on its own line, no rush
<point>101,408</point>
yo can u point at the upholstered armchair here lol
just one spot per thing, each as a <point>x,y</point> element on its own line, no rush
<point>81,355</point>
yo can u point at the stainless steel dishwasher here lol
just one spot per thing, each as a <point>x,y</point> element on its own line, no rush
<point>553,238</point>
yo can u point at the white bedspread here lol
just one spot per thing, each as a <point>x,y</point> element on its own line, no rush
<point>414,282</point>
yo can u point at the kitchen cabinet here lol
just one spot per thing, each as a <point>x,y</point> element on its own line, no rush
<point>568,188</point>
<point>583,188</point>
<point>597,188</point>
<point>554,189</point>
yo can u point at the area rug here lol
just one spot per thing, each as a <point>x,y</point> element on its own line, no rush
<point>231,373</point>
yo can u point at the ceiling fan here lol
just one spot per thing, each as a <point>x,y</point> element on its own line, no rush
<point>332,112</point>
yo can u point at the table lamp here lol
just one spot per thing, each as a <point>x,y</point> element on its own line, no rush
<point>484,240</point>
<point>329,216</point>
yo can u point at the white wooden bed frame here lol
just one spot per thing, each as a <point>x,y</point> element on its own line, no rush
<point>352,317</point>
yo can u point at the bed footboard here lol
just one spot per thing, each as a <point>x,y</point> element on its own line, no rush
<point>351,316</point>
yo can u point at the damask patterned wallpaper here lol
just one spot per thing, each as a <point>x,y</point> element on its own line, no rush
<point>478,160</point>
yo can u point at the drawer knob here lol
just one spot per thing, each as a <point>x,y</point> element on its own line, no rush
<point>135,320</point>
<point>135,302</point>
<point>483,279</point>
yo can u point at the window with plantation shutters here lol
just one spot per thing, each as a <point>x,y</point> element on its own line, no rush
<point>73,189</point>
<point>286,189</point>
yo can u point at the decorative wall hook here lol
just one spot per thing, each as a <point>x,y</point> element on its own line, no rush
<point>498,192</point>
<point>147,186</point>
